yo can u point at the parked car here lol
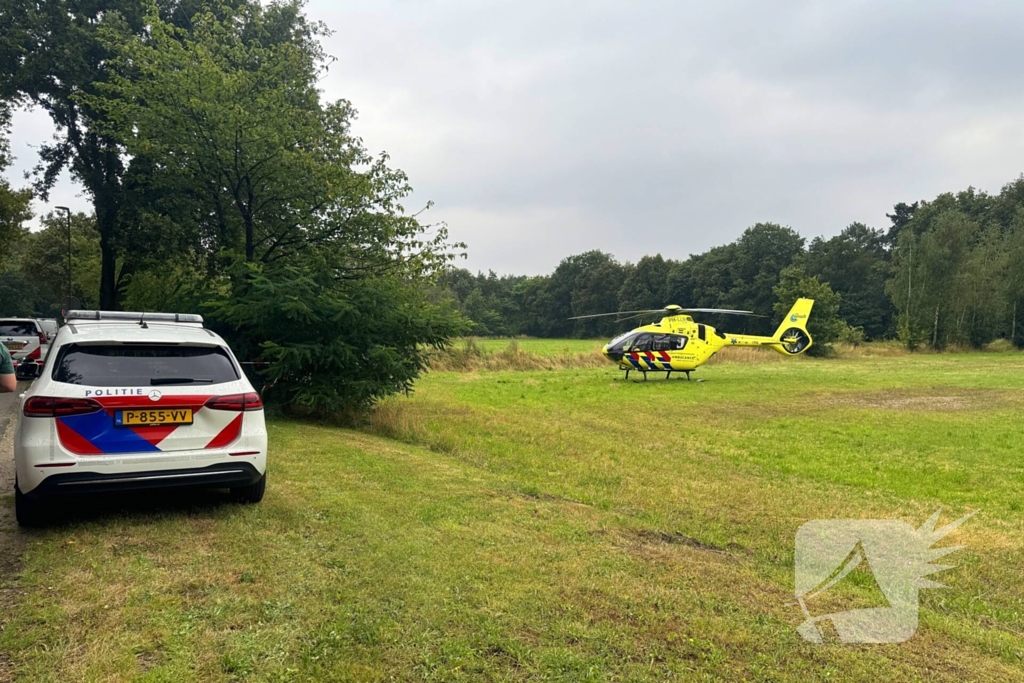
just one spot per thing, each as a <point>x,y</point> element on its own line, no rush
<point>49,327</point>
<point>129,401</point>
<point>27,342</point>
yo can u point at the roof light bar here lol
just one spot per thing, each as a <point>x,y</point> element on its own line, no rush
<point>135,317</point>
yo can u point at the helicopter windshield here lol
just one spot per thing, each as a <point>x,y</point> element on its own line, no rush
<point>621,341</point>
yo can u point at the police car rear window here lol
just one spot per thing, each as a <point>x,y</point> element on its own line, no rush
<point>142,365</point>
<point>18,328</point>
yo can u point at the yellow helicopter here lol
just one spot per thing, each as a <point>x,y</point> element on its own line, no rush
<point>678,344</point>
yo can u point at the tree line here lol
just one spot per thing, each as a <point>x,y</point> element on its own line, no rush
<point>949,271</point>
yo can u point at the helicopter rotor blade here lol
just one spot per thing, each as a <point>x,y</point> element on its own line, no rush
<point>631,317</point>
<point>667,311</point>
<point>724,311</point>
<point>605,315</point>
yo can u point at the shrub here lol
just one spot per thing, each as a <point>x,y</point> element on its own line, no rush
<point>332,345</point>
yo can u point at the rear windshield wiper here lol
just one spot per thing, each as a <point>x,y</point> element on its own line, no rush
<point>156,381</point>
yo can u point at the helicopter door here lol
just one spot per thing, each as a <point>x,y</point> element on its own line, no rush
<point>639,354</point>
<point>661,343</point>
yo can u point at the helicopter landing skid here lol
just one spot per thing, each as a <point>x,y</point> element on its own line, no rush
<point>668,374</point>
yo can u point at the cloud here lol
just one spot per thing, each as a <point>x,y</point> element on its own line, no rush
<point>547,128</point>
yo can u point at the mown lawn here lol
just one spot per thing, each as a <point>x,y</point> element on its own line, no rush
<point>558,525</point>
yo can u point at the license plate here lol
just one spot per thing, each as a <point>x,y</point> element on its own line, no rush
<point>153,417</point>
<point>14,346</point>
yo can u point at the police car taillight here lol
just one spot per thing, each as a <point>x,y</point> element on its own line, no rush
<point>42,337</point>
<point>46,406</point>
<point>236,402</point>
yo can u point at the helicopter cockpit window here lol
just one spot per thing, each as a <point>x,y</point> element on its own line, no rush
<point>678,342</point>
<point>641,343</point>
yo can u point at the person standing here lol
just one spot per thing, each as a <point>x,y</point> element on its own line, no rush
<point>8,382</point>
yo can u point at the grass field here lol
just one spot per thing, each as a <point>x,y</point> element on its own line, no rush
<point>558,525</point>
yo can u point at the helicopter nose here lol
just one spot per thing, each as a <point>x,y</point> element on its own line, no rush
<point>612,354</point>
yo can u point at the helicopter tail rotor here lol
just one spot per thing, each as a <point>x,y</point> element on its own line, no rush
<point>792,336</point>
<point>795,341</point>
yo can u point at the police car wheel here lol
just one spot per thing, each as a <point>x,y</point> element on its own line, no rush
<point>28,512</point>
<point>251,494</point>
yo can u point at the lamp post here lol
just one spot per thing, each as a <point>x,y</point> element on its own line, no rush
<point>67,212</point>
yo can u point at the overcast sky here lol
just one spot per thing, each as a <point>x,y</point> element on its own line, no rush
<point>546,128</point>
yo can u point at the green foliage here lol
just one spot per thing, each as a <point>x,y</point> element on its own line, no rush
<point>172,287</point>
<point>598,291</point>
<point>958,269</point>
<point>44,259</point>
<point>901,215</point>
<point>563,294</point>
<point>763,252</point>
<point>855,263</point>
<point>852,336</point>
<point>14,204</point>
<point>825,325</point>
<point>51,56</point>
<point>331,345</point>
<point>14,212</point>
<point>485,300</point>
<point>21,297</point>
<point>36,278</point>
<point>705,280</point>
<point>645,286</point>
<point>230,114</point>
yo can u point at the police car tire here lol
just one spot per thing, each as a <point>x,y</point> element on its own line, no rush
<point>28,512</point>
<point>251,494</point>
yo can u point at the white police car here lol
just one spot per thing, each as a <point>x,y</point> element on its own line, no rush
<point>129,401</point>
<point>26,339</point>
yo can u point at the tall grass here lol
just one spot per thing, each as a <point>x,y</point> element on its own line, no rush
<point>744,356</point>
<point>468,356</point>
